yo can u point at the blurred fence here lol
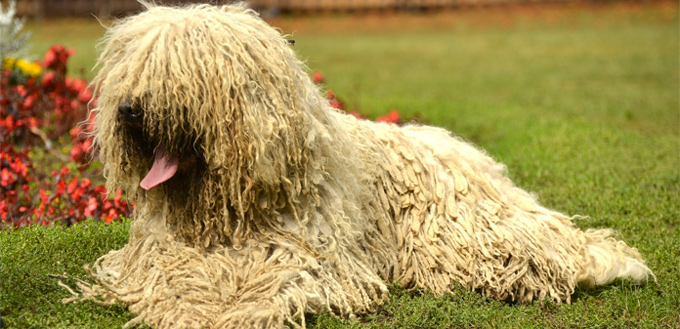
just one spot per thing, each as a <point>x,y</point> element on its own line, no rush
<point>104,8</point>
<point>65,8</point>
<point>377,5</point>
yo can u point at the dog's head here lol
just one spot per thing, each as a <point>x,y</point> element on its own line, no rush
<point>208,110</point>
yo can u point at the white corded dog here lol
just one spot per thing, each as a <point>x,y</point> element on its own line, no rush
<point>258,202</point>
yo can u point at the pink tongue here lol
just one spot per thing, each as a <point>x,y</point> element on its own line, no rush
<point>164,167</point>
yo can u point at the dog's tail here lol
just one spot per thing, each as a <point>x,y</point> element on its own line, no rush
<point>606,259</point>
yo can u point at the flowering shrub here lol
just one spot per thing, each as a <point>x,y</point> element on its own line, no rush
<point>46,166</point>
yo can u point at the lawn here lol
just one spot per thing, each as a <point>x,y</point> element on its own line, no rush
<point>581,103</point>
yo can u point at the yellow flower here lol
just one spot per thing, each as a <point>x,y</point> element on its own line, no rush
<point>29,68</point>
<point>26,67</point>
<point>8,63</point>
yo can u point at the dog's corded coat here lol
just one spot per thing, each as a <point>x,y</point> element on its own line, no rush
<point>282,205</point>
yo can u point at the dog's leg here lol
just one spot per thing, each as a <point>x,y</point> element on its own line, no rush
<point>608,259</point>
<point>472,225</point>
<point>262,284</point>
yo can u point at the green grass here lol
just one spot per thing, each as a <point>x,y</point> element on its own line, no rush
<point>583,109</point>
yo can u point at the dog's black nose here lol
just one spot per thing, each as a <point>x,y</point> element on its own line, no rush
<point>130,113</point>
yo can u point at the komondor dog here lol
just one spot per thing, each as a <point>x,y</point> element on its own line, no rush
<point>257,202</point>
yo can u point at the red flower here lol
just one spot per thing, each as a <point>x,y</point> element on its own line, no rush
<point>76,154</point>
<point>9,123</point>
<point>72,186</point>
<point>336,104</point>
<point>43,196</point>
<point>3,210</point>
<point>101,190</point>
<point>85,183</point>
<point>5,177</point>
<point>48,79</point>
<point>74,104</point>
<point>77,85</point>
<point>30,101</point>
<point>87,144</point>
<point>61,188</point>
<point>117,198</point>
<point>92,205</point>
<point>50,58</point>
<point>19,167</point>
<point>32,123</point>
<point>75,131</point>
<point>21,90</point>
<point>392,117</point>
<point>56,57</point>
<point>317,77</point>
<point>85,95</point>
<point>68,82</point>
<point>357,115</point>
<point>108,218</point>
